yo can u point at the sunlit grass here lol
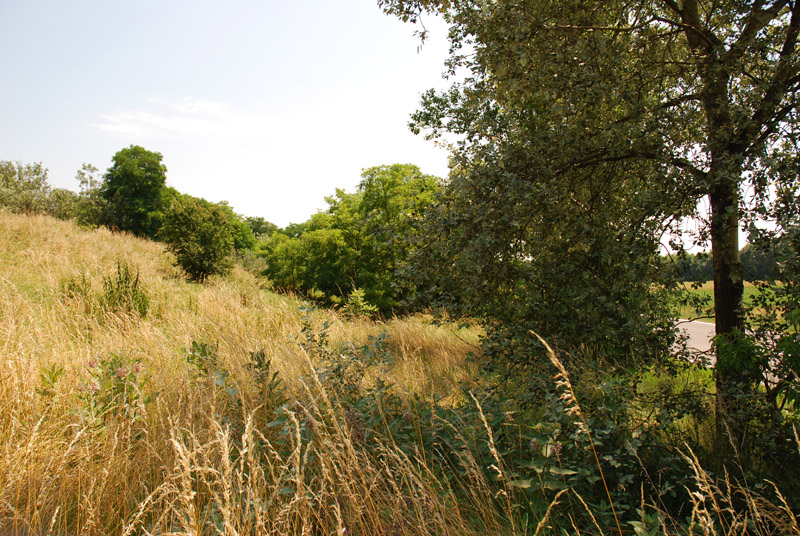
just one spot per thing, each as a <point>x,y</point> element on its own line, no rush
<point>59,472</point>
<point>706,292</point>
<point>193,454</point>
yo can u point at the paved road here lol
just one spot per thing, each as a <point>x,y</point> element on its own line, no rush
<point>699,333</point>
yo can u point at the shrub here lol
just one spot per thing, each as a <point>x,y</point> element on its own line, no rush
<point>357,304</point>
<point>63,204</point>
<point>23,187</point>
<point>200,235</point>
<point>116,389</point>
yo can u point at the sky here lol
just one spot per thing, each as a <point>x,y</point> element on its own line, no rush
<point>270,105</point>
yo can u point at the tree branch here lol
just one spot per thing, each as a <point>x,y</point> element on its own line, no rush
<point>781,81</point>
<point>756,21</point>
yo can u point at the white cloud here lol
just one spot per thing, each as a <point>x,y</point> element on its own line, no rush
<point>169,119</point>
<point>279,162</point>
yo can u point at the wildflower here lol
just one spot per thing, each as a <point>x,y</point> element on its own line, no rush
<point>93,363</point>
<point>94,387</point>
<point>122,372</point>
<point>136,367</point>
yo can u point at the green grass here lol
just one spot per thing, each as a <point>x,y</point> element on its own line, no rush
<point>707,291</point>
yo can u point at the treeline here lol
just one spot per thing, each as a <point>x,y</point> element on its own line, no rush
<point>24,189</point>
<point>354,252</point>
<point>757,265</point>
<point>133,196</point>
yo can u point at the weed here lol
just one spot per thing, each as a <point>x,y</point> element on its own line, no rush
<point>116,389</point>
<point>76,287</point>
<point>123,291</point>
<point>48,378</point>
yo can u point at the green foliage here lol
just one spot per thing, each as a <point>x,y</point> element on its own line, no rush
<point>92,206</point>
<point>690,267</point>
<point>135,192</point>
<point>270,386</point>
<point>363,241</point>
<point>122,291</point>
<point>200,234</point>
<point>585,132</point>
<point>241,233</point>
<point>207,367</point>
<point>48,378</point>
<point>260,227</point>
<point>357,304</point>
<point>252,261</point>
<point>757,265</point>
<point>116,390</point>
<point>23,187</point>
<point>63,204</point>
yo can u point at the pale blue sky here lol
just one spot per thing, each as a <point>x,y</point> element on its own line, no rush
<point>269,104</point>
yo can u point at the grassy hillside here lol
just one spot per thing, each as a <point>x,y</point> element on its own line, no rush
<point>113,422</point>
<point>135,402</point>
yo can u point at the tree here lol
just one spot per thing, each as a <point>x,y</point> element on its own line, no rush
<point>757,264</point>
<point>63,204</point>
<point>362,241</point>
<point>92,206</point>
<point>200,234</point>
<point>134,189</point>
<point>260,227</point>
<point>23,187</point>
<point>622,115</point>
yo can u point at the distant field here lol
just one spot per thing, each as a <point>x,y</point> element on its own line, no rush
<point>707,290</point>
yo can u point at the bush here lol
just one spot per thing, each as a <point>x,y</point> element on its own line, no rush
<point>23,187</point>
<point>357,304</point>
<point>63,204</point>
<point>200,235</point>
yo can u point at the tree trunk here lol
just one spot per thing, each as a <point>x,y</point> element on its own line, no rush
<point>728,307</point>
<point>728,283</point>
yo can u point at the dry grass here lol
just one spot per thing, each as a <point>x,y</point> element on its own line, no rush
<point>199,460</point>
<point>194,461</point>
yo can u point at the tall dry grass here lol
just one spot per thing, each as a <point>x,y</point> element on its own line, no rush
<point>196,460</point>
<point>209,454</point>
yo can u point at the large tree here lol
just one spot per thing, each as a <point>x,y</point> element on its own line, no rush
<point>134,189</point>
<point>642,107</point>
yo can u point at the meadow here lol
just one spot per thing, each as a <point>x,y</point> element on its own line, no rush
<point>135,402</point>
<point>705,292</point>
<point>110,427</point>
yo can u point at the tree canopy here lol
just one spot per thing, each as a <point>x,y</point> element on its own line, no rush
<point>135,191</point>
<point>361,241</point>
<point>588,129</point>
<point>23,187</point>
<point>200,234</point>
